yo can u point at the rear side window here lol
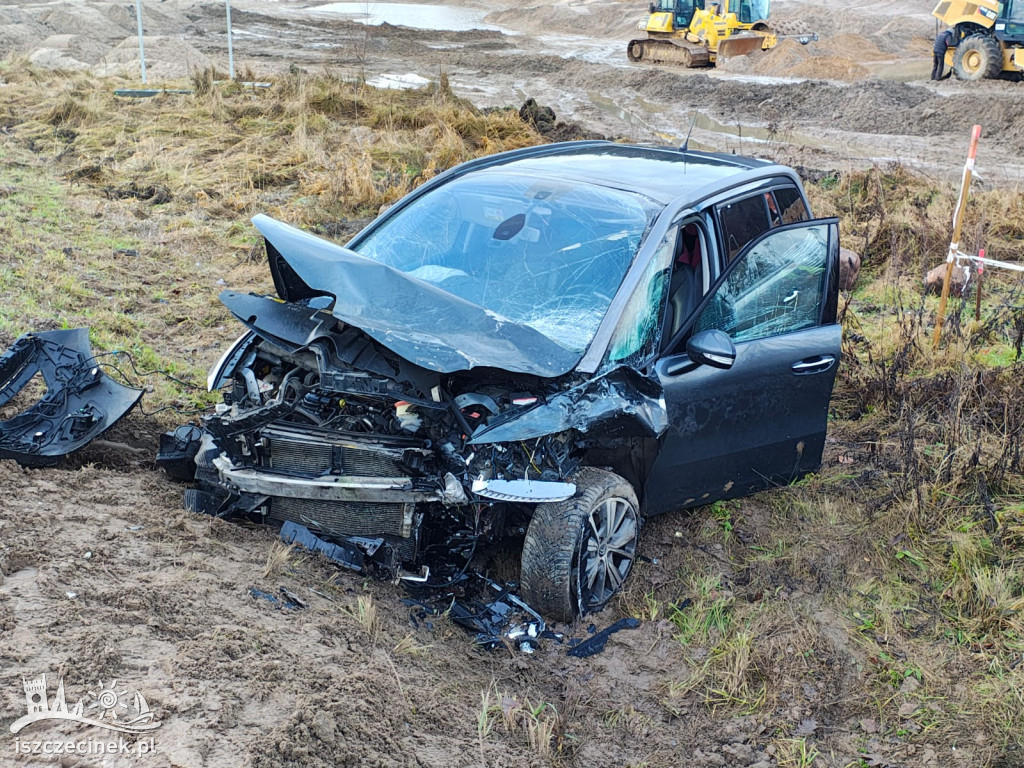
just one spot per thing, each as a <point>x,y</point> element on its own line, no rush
<point>742,221</point>
<point>790,205</point>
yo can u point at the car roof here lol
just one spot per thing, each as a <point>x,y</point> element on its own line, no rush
<point>660,173</point>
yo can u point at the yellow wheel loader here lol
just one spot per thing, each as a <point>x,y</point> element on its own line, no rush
<point>989,36</point>
<point>697,33</point>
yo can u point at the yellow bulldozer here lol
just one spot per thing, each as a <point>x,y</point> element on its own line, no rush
<point>989,37</point>
<point>698,33</point>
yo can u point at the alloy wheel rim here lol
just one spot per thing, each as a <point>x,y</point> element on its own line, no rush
<point>608,550</point>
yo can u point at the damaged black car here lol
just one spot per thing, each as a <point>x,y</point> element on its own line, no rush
<point>556,342</point>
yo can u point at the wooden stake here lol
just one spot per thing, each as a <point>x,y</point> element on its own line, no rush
<point>977,291</point>
<point>958,223</point>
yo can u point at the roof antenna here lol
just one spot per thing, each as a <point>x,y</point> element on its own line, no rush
<point>686,142</point>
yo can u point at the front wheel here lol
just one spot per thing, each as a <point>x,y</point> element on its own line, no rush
<point>578,552</point>
<point>978,57</point>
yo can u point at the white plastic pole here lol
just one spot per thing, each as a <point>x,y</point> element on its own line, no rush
<point>231,52</point>
<point>142,50</point>
<point>958,222</point>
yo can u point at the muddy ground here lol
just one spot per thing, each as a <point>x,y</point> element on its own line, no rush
<point>858,96</point>
<point>104,578</point>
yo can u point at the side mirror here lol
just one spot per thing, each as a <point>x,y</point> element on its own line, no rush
<point>713,348</point>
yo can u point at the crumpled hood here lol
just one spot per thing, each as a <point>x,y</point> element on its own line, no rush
<point>416,320</point>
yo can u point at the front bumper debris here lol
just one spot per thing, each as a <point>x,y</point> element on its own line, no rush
<point>80,404</point>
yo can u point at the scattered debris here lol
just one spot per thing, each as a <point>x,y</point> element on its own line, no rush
<point>293,597</point>
<point>594,645</point>
<point>350,552</point>
<point>288,603</point>
<point>80,404</point>
<point>177,452</point>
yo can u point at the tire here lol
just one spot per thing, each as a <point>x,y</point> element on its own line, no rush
<point>567,541</point>
<point>978,57</point>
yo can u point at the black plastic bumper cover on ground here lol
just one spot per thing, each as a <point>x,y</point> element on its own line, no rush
<point>80,403</point>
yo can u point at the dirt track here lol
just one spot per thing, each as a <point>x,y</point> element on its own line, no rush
<point>103,576</point>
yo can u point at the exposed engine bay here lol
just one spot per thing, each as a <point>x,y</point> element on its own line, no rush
<point>302,436</point>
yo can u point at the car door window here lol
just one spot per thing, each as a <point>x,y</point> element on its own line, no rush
<point>776,287</point>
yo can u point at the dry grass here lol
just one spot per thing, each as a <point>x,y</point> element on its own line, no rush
<point>538,724</point>
<point>277,558</point>
<point>365,614</point>
<point>129,215</point>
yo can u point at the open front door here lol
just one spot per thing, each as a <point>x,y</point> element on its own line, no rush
<point>761,420</point>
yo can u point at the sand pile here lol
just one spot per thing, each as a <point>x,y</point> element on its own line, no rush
<point>835,58</point>
<point>19,30</point>
<point>87,21</point>
<point>896,29</point>
<point>86,35</point>
<point>167,58</point>
<point>67,52</point>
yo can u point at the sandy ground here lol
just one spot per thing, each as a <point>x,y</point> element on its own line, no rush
<point>103,577</point>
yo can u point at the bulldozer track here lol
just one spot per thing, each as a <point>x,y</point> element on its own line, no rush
<point>668,52</point>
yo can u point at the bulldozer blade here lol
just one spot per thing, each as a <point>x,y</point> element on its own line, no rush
<point>739,46</point>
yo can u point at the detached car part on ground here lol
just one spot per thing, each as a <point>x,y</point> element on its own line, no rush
<point>561,340</point>
<point>79,404</point>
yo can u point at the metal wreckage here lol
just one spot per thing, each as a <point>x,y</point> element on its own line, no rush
<point>403,427</point>
<point>502,353</point>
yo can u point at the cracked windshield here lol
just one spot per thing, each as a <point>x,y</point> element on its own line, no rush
<point>538,253</point>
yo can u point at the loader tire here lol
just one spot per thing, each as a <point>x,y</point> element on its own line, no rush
<point>590,534</point>
<point>978,57</point>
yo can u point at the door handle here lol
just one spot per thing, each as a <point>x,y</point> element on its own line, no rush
<point>814,364</point>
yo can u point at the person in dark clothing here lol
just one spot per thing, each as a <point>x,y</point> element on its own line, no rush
<point>943,42</point>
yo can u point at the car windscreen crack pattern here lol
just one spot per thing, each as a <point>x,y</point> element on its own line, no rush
<point>80,403</point>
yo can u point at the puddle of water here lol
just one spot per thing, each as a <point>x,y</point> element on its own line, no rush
<point>430,17</point>
<point>588,49</point>
<point>755,79</point>
<point>752,133</point>
<point>398,82</point>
